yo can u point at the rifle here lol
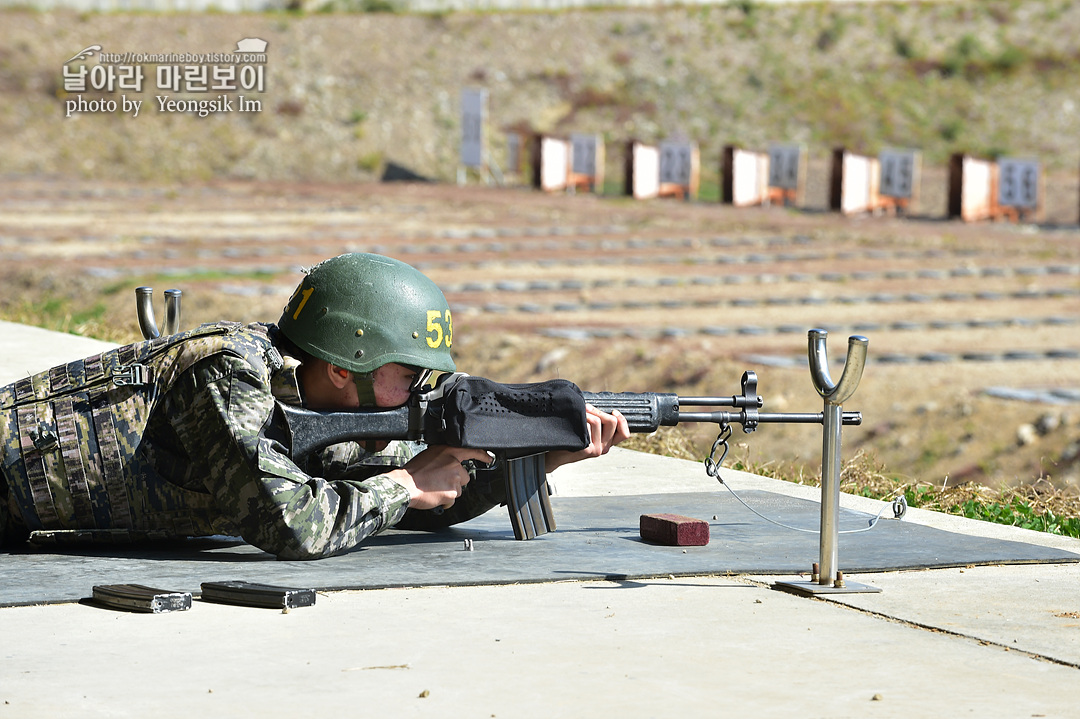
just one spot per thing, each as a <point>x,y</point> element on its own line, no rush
<point>519,423</point>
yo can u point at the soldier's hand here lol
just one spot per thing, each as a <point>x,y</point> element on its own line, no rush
<point>436,476</point>
<point>605,431</point>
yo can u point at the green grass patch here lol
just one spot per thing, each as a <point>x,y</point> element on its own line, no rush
<point>1039,506</point>
<point>1019,513</point>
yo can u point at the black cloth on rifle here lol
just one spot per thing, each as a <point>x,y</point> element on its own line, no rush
<point>517,419</point>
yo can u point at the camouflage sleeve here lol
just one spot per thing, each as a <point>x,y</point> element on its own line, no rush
<point>274,504</point>
<point>351,460</point>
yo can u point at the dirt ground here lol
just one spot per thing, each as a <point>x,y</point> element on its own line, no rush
<point>974,346</point>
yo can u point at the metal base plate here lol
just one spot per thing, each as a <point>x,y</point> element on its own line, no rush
<point>813,589</point>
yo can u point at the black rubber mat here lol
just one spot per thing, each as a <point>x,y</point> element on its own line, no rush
<point>597,538</point>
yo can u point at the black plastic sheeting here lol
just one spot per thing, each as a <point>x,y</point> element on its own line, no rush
<point>597,539</point>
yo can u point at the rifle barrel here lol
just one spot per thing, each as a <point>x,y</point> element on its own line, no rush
<point>849,418</point>
<point>734,401</point>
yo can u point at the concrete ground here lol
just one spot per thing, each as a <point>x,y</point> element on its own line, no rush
<point>982,641</point>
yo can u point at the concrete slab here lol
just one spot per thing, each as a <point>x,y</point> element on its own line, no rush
<point>689,647</point>
<point>1033,608</point>
<point>28,350</point>
<point>985,641</point>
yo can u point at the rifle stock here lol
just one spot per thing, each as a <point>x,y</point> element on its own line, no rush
<point>311,430</point>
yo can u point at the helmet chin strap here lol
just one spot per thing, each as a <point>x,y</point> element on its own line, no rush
<point>365,391</point>
<point>365,388</point>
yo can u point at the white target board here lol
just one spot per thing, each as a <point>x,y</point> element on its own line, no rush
<point>785,166</point>
<point>1018,183</point>
<point>977,200</point>
<point>859,183</point>
<point>899,173</point>
<point>473,116</point>
<point>749,178</point>
<point>644,171</point>
<point>554,163</point>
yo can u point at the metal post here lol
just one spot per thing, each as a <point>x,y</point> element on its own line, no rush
<point>829,535</point>
<point>830,579</point>
<point>834,396</point>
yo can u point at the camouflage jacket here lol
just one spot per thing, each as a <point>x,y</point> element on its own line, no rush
<point>179,436</point>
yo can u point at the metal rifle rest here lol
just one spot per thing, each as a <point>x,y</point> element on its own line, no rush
<point>828,579</point>
<point>144,305</point>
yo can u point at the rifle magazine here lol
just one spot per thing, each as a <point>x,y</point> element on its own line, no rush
<point>527,497</point>
<point>250,594</point>
<point>140,598</point>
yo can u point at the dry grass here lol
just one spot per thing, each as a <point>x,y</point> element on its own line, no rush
<point>1038,505</point>
<point>863,475</point>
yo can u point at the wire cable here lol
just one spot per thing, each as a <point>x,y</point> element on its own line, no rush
<point>712,468</point>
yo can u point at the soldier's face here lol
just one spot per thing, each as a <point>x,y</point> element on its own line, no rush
<point>391,384</point>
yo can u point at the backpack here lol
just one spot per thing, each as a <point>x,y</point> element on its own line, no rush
<point>68,434</point>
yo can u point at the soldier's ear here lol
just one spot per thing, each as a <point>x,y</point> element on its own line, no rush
<point>338,377</point>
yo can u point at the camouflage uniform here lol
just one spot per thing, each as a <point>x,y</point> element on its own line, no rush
<point>178,436</point>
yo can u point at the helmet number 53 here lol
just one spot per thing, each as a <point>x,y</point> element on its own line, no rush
<point>440,328</point>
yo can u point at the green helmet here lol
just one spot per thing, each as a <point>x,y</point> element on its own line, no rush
<point>361,311</point>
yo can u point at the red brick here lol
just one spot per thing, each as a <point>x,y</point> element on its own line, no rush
<point>674,530</point>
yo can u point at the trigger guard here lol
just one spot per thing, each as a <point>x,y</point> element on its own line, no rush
<point>472,465</point>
